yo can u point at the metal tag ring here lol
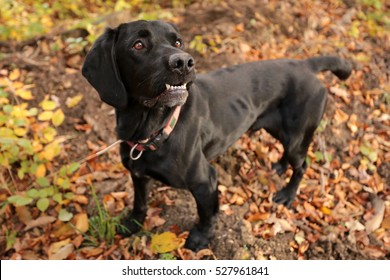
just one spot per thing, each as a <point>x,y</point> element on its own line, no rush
<point>132,152</point>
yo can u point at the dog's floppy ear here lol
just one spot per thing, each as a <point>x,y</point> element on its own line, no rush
<point>101,70</point>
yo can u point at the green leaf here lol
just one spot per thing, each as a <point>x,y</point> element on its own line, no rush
<point>74,166</point>
<point>26,144</point>
<point>69,195</point>
<point>369,152</point>
<point>63,171</point>
<point>32,112</point>
<point>33,193</point>
<point>319,156</point>
<point>18,200</point>
<point>43,182</point>
<point>43,204</point>
<point>64,215</point>
<point>8,108</point>
<point>57,197</point>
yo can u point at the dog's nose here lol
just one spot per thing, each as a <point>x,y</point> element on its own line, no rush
<point>182,63</point>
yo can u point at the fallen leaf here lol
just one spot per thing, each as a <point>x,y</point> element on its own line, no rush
<point>386,223</point>
<point>40,222</point>
<point>58,117</point>
<point>81,222</point>
<point>14,75</point>
<point>165,242</point>
<point>82,199</point>
<point>24,214</point>
<point>120,195</point>
<point>258,217</point>
<point>354,225</point>
<point>60,250</point>
<point>64,215</point>
<point>45,116</point>
<point>375,222</point>
<point>73,101</point>
<point>299,237</point>
<point>48,105</point>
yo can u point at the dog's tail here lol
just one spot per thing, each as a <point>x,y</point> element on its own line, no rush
<point>340,67</point>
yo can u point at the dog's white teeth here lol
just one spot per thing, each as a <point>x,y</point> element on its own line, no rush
<point>167,86</point>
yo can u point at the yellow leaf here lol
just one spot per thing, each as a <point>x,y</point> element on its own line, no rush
<point>3,82</point>
<point>48,105</point>
<point>20,131</point>
<point>81,222</point>
<point>51,151</point>
<point>41,171</point>
<point>45,116</point>
<point>49,133</point>
<point>58,117</point>
<point>73,101</point>
<point>166,242</point>
<point>14,75</point>
<point>24,93</point>
<point>326,210</point>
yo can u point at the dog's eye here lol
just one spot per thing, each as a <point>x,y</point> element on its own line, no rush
<point>178,44</point>
<point>138,45</point>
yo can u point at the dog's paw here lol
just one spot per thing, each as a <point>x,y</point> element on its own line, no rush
<point>197,240</point>
<point>129,226</point>
<point>285,197</point>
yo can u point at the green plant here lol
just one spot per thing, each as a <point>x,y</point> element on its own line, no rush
<point>28,144</point>
<point>102,227</point>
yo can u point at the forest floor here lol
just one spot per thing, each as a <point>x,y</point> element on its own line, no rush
<point>342,210</point>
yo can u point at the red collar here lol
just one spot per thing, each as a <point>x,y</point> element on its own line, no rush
<point>157,138</point>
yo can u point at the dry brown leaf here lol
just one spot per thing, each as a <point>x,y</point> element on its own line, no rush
<point>64,230</point>
<point>60,250</point>
<point>340,117</point>
<point>78,240</point>
<point>120,195</point>
<point>258,217</point>
<point>386,223</point>
<point>82,199</point>
<point>205,253</point>
<point>40,222</point>
<point>375,222</point>
<point>24,214</point>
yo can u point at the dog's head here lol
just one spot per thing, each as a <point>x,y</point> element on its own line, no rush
<point>142,61</point>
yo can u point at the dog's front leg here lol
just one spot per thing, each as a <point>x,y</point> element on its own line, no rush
<point>204,190</point>
<point>133,222</point>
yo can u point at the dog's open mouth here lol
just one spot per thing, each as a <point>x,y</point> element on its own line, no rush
<point>173,95</point>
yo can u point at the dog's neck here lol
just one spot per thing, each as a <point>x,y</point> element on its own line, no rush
<point>142,121</point>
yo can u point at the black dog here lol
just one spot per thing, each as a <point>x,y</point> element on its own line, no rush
<point>172,124</point>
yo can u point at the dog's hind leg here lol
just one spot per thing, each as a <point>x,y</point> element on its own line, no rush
<point>204,190</point>
<point>295,154</point>
<point>272,123</point>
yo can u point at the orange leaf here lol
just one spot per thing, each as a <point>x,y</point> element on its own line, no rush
<point>41,171</point>
<point>81,222</point>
